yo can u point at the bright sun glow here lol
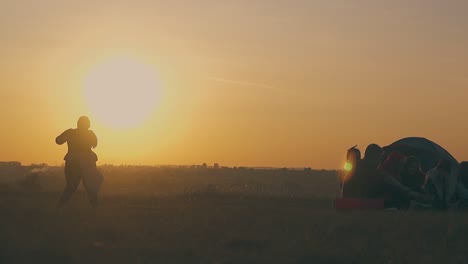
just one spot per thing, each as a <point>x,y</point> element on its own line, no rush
<point>122,93</point>
<point>348,166</point>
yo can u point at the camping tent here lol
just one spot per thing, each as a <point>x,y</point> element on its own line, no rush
<point>429,154</point>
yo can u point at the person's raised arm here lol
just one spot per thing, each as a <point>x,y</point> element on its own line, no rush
<point>62,138</point>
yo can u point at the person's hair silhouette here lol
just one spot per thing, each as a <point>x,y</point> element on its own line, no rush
<point>80,161</point>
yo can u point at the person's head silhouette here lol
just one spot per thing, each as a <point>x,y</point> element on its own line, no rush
<point>374,154</point>
<point>83,123</point>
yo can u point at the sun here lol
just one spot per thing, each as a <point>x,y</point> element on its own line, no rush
<point>122,92</point>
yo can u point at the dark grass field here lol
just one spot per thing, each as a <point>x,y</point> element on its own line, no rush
<point>198,217</point>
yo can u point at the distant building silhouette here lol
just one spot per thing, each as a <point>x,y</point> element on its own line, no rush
<point>9,164</point>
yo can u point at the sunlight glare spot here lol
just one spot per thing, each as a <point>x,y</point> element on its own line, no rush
<point>122,92</point>
<point>348,166</point>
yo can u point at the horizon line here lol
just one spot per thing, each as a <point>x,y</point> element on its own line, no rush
<point>171,165</point>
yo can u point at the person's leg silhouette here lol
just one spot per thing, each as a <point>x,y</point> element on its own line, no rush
<point>93,199</point>
<point>73,179</point>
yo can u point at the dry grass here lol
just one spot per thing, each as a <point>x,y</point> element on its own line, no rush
<point>162,215</point>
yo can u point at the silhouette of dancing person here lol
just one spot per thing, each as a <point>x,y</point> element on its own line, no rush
<point>80,162</point>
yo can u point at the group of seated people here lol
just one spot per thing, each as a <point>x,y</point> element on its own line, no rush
<point>400,181</point>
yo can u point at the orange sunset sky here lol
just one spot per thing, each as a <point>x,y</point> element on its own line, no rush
<point>241,83</point>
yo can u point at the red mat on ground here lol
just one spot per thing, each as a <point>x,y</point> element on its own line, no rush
<point>359,204</point>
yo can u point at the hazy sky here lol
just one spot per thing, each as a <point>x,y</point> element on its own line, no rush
<point>252,83</point>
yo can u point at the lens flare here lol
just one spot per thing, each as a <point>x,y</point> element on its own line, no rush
<point>348,166</point>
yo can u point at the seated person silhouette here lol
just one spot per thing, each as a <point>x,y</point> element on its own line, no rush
<point>374,179</point>
<point>80,161</point>
<point>364,179</point>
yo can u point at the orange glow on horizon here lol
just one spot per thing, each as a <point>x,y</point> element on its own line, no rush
<point>269,83</point>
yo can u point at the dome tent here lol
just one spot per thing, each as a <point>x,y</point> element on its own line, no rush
<point>429,154</point>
